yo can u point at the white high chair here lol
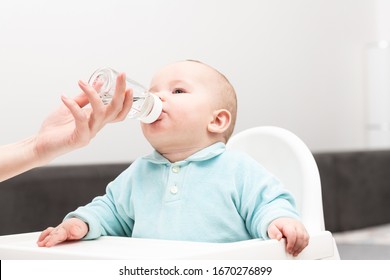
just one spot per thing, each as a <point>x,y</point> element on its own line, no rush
<point>278,150</point>
<point>287,157</point>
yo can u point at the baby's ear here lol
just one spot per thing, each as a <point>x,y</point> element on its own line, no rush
<point>220,121</point>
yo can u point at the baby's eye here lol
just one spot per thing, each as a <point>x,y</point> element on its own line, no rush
<point>178,91</point>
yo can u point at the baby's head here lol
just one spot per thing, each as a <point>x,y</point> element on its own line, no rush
<point>199,107</point>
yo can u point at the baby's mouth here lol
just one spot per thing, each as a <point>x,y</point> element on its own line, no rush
<point>161,116</point>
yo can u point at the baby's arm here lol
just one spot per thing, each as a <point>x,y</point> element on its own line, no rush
<point>294,231</point>
<point>70,229</point>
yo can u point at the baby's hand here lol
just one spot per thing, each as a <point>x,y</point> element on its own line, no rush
<point>71,229</point>
<point>294,231</point>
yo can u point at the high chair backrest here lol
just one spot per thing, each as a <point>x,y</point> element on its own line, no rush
<point>287,157</point>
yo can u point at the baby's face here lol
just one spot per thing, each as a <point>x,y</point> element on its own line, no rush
<point>188,92</point>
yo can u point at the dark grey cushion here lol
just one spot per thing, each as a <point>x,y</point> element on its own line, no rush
<point>42,197</point>
<point>355,188</point>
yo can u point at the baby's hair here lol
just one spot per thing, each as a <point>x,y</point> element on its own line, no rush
<point>228,98</point>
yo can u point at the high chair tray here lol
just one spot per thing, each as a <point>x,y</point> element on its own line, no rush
<point>23,246</point>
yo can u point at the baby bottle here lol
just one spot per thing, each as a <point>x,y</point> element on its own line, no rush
<point>146,106</point>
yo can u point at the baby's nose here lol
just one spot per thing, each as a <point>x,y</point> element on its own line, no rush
<point>161,95</point>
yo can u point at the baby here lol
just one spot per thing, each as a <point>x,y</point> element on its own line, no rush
<point>191,187</point>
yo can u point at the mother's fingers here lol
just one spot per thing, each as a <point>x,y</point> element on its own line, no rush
<point>120,104</point>
<point>119,88</point>
<point>93,96</point>
<point>81,99</point>
<point>116,104</point>
<point>84,98</point>
<point>89,121</point>
<point>98,115</point>
<point>126,106</point>
<point>81,120</point>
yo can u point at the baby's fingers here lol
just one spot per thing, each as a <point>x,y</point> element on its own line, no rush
<point>297,239</point>
<point>51,237</point>
<point>44,234</point>
<point>301,242</point>
<point>274,232</point>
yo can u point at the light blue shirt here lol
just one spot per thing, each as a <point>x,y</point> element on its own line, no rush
<point>215,195</point>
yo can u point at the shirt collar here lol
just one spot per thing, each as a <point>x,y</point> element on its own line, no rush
<point>204,154</point>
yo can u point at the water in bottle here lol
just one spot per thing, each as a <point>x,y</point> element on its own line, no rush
<point>146,106</point>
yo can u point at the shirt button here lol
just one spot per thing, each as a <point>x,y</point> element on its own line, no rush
<point>176,169</point>
<point>173,190</point>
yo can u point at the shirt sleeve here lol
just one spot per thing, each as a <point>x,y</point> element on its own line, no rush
<point>264,199</point>
<point>106,215</point>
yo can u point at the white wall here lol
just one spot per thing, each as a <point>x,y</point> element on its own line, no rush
<point>296,64</point>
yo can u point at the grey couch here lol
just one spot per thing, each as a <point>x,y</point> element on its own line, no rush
<point>41,197</point>
<point>355,187</point>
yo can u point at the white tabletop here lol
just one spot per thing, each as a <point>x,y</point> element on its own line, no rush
<point>23,246</point>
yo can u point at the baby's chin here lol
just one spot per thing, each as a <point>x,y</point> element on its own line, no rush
<point>159,138</point>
